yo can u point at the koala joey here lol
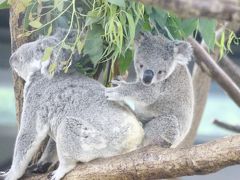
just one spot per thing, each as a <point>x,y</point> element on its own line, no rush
<point>162,96</point>
<point>73,111</point>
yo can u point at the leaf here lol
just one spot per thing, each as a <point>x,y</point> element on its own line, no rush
<point>188,26</point>
<point>94,44</point>
<point>79,46</point>
<point>131,26</point>
<point>49,30</point>
<point>160,16</point>
<point>125,61</point>
<point>58,4</point>
<point>207,29</point>
<point>52,68</point>
<point>120,3</point>
<point>174,27</point>
<point>36,23</point>
<point>47,53</point>
<point>4,4</point>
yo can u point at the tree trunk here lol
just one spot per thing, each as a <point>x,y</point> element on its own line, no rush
<point>18,82</point>
<point>16,29</point>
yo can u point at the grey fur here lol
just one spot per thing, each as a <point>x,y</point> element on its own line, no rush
<point>165,106</point>
<point>32,53</point>
<point>61,108</point>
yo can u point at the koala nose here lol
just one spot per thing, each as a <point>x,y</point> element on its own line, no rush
<point>148,76</point>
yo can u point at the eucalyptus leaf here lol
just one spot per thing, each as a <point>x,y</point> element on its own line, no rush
<point>188,26</point>
<point>47,53</point>
<point>36,23</point>
<point>120,3</point>
<point>207,29</point>
<point>125,61</point>
<point>94,44</point>
<point>4,4</point>
<point>160,16</point>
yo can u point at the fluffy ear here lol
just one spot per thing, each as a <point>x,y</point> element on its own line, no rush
<point>45,42</point>
<point>140,37</point>
<point>183,52</point>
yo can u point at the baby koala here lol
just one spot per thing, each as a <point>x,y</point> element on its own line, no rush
<point>73,111</point>
<point>162,96</point>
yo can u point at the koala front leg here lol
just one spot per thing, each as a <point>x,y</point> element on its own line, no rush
<point>134,91</point>
<point>48,159</point>
<point>27,143</point>
<point>162,130</point>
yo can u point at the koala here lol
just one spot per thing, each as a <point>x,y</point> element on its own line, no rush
<point>32,52</point>
<point>73,111</point>
<point>162,95</point>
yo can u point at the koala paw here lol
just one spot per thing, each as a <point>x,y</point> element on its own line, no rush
<point>118,83</point>
<point>111,94</point>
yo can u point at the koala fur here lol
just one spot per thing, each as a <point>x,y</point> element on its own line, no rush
<point>162,96</point>
<point>32,53</point>
<point>73,111</point>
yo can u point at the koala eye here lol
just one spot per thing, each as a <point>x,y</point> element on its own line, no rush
<point>141,66</point>
<point>161,72</point>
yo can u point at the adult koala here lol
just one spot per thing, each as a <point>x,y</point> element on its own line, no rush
<point>67,107</point>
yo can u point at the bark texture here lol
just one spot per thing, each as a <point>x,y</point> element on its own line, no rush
<point>231,68</point>
<point>18,83</point>
<point>155,162</point>
<point>228,10</point>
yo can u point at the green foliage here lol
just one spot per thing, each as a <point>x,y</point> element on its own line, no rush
<point>207,29</point>
<point>106,29</point>
<point>4,4</point>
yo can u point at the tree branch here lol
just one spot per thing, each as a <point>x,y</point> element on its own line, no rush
<point>227,126</point>
<point>155,162</point>
<point>228,10</point>
<point>231,68</point>
<point>216,72</point>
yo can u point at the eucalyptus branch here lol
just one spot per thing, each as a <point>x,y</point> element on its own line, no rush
<point>227,126</point>
<point>158,163</point>
<point>216,72</point>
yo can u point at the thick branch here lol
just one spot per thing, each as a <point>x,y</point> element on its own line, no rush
<point>227,126</point>
<point>231,68</point>
<point>219,9</point>
<point>216,72</point>
<point>155,162</point>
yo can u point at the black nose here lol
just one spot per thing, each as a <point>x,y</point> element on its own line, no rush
<point>148,76</point>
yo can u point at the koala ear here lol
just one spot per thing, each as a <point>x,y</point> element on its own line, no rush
<point>46,42</point>
<point>140,37</point>
<point>183,52</point>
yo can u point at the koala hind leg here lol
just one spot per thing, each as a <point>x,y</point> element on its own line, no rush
<point>162,130</point>
<point>48,159</point>
<point>27,143</point>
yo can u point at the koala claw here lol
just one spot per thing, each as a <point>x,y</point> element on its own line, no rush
<point>50,176</point>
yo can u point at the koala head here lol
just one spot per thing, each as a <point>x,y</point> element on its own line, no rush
<point>27,58</point>
<point>156,57</point>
